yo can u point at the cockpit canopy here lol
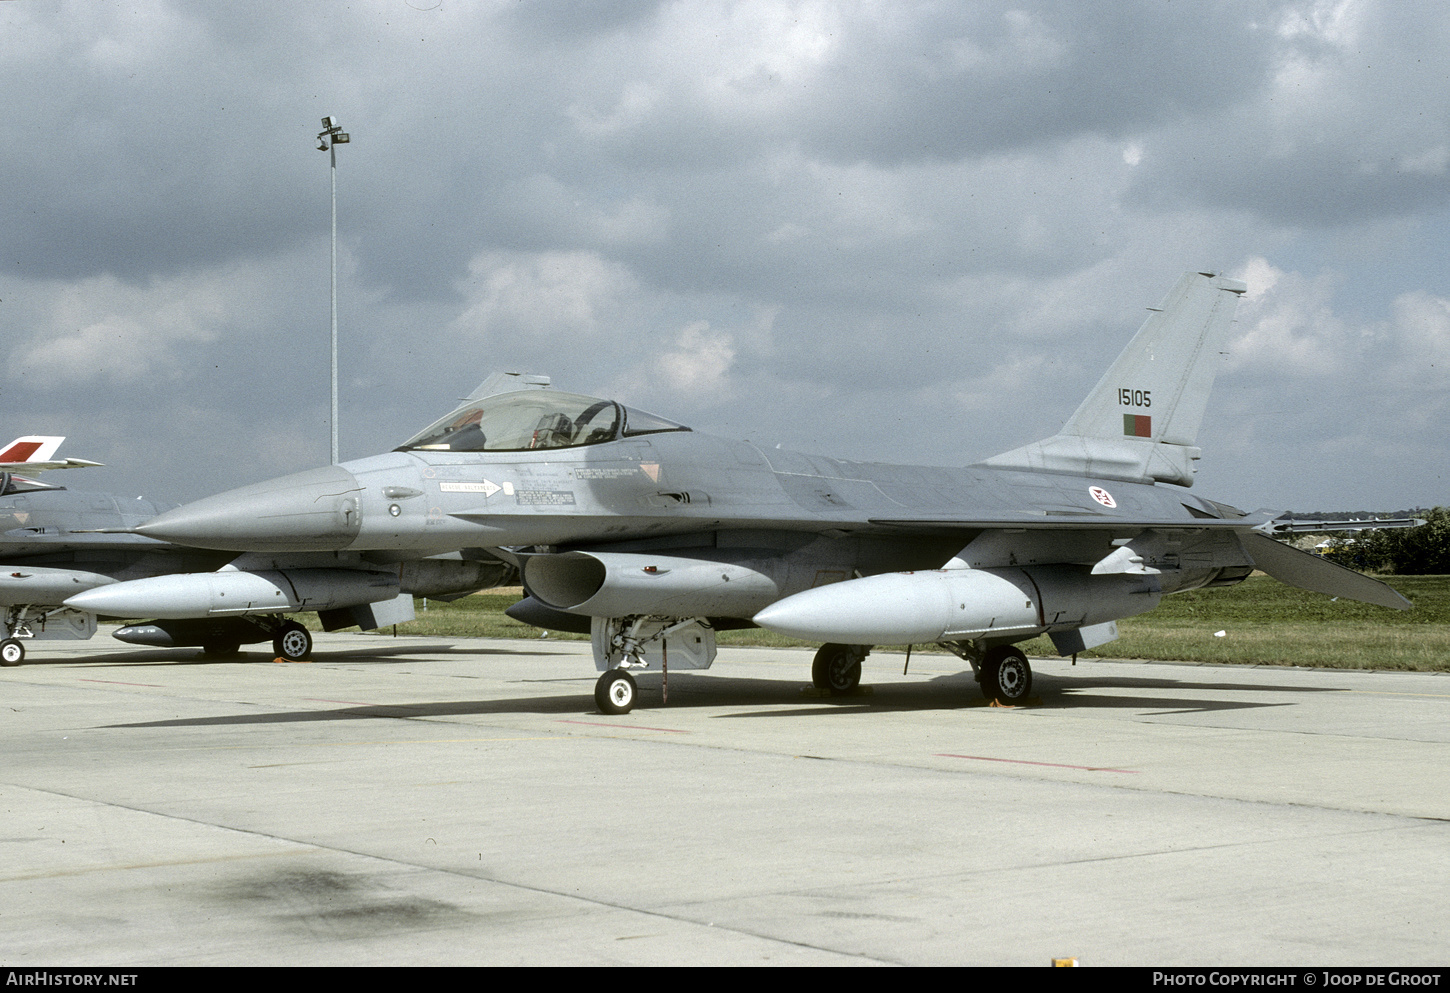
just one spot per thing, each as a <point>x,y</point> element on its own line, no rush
<point>535,419</point>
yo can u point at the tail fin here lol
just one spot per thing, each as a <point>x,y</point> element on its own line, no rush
<point>1142,419</point>
<point>34,453</point>
<point>31,448</point>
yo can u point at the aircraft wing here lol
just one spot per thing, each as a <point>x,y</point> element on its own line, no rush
<point>1061,521</point>
<point>1285,563</point>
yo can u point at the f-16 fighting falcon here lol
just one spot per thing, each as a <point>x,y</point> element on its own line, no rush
<point>653,536</point>
<point>49,549</point>
<point>57,543</point>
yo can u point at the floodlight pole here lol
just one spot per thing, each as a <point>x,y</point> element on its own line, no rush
<point>332,151</point>
<point>331,136</point>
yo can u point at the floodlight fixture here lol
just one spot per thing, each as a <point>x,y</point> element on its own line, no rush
<point>331,134</point>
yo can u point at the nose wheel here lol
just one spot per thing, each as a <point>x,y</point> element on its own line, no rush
<point>12,652</point>
<point>616,692</point>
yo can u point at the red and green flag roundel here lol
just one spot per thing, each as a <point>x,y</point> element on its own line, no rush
<point>1138,425</point>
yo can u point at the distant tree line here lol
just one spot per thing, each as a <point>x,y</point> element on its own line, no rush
<point>1420,551</point>
<point>1353,515</point>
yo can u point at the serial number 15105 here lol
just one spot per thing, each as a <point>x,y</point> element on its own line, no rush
<point>1135,398</point>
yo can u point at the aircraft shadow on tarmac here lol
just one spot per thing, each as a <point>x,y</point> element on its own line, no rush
<point>687,690</point>
<point>189,656</point>
<point>960,692</point>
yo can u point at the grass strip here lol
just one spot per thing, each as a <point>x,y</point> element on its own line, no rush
<point>1264,623</point>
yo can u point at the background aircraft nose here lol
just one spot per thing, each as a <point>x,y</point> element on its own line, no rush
<point>316,510</point>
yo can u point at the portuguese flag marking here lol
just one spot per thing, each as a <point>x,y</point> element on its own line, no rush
<point>1138,425</point>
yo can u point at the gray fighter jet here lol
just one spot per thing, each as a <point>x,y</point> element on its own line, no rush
<point>57,543</point>
<point>48,553</point>
<point>653,536</point>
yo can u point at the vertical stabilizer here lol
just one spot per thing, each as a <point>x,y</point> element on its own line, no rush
<point>32,448</point>
<point>1142,419</point>
<point>508,382</point>
<point>1158,388</point>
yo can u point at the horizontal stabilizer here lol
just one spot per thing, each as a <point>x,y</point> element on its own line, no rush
<point>1289,526</point>
<point>1310,572</point>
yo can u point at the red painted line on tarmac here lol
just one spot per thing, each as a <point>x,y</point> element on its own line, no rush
<point>1053,765</point>
<point>632,727</point>
<point>117,682</point>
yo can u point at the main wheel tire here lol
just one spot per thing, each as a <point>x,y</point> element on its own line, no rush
<point>12,652</point>
<point>293,642</point>
<point>1006,675</point>
<point>616,692</point>
<point>837,668</point>
<point>222,649</point>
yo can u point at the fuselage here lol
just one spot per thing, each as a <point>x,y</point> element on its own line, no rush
<point>699,494</point>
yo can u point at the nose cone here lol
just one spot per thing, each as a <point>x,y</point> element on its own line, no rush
<point>317,510</point>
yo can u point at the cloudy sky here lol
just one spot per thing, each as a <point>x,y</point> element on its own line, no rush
<point>891,231</point>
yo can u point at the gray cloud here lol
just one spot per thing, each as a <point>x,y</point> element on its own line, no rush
<point>911,231</point>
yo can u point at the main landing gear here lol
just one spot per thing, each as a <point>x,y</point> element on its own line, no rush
<point>1005,674</point>
<point>293,642</point>
<point>838,668</point>
<point>12,652</point>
